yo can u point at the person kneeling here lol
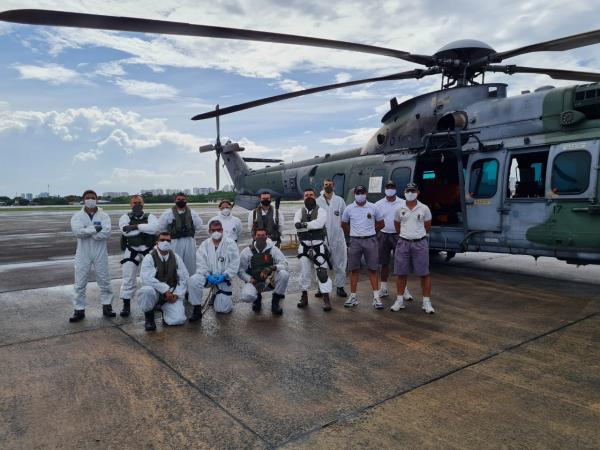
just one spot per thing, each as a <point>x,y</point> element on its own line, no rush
<point>217,262</point>
<point>263,267</point>
<point>164,282</point>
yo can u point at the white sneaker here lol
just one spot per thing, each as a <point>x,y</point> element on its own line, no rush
<point>408,299</point>
<point>352,301</point>
<point>398,305</point>
<point>377,304</point>
<point>427,307</point>
<point>383,293</point>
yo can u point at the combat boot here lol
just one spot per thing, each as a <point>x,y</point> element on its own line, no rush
<point>150,324</point>
<point>326,303</point>
<point>318,294</point>
<point>303,300</point>
<point>126,308</point>
<point>275,308</point>
<point>341,292</point>
<point>257,304</point>
<point>107,311</point>
<point>78,315</point>
<point>196,313</point>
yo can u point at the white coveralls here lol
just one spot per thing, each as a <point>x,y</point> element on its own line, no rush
<point>130,269</point>
<point>91,250</point>
<point>232,226</point>
<point>184,247</point>
<point>335,236</point>
<point>308,266</point>
<point>223,260</point>
<point>148,294</point>
<point>282,275</point>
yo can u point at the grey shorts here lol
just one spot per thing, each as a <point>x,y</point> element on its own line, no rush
<point>386,243</point>
<point>412,253</point>
<point>358,248</point>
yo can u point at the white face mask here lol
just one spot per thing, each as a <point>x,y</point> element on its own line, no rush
<point>216,235</point>
<point>90,203</point>
<point>360,198</point>
<point>164,246</point>
<point>410,196</point>
<point>390,192</point>
<point>226,211</point>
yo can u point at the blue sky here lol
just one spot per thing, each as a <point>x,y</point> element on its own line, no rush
<point>110,111</point>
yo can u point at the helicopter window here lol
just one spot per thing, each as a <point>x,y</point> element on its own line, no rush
<point>401,177</point>
<point>527,175</point>
<point>484,178</point>
<point>338,184</point>
<point>571,172</point>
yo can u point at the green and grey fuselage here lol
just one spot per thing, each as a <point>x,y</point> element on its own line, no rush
<point>553,130</point>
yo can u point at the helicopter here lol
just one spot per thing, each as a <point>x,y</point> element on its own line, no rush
<point>500,174</point>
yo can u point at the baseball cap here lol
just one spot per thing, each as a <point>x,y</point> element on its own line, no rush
<point>412,186</point>
<point>390,183</point>
<point>360,188</point>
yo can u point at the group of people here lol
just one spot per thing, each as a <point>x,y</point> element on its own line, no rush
<point>332,237</point>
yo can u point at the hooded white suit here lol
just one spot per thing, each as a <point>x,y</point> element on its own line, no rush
<point>335,235</point>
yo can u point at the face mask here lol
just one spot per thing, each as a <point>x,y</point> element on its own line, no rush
<point>226,211</point>
<point>310,203</point>
<point>360,198</point>
<point>181,203</point>
<point>137,209</point>
<point>390,192</point>
<point>328,189</point>
<point>265,202</point>
<point>410,196</point>
<point>261,242</point>
<point>164,246</point>
<point>216,235</point>
<point>90,203</point>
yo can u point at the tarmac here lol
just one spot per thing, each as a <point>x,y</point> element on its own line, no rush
<point>510,359</point>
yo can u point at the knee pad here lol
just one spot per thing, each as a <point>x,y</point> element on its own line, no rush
<point>322,274</point>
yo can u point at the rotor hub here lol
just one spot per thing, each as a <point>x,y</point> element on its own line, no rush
<point>465,50</point>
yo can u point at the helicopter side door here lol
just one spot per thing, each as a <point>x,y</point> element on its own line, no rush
<point>483,190</point>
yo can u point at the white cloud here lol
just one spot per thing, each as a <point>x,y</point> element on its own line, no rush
<point>110,69</point>
<point>91,155</point>
<point>147,89</point>
<point>52,73</point>
<point>290,85</point>
<point>354,137</point>
<point>343,77</point>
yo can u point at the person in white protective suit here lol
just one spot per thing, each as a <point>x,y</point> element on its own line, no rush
<point>232,226</point>
<point>164,282</point>
<point>138,237</point>
<point>91,226</point>
<point>183,224</point>
<point>263,267</point>
<point>334,205</point>
<point>310,221</point>
<point>217,261</point>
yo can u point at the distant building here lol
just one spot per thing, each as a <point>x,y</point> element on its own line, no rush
<point>115,194</point>
<point>152,191</point>
<point>43,195</point>
<point>227,188</point>
<point>187,191</point>
<point>29,196</point>
<point>173,191</point>
<point>203,191</point>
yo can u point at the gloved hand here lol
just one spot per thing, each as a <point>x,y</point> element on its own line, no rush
<point>300,225</point>
<point>266,272</point>
<point>220,279</point>
<point>128,228</point>
<point>212,279</point>
<point>98,228</point>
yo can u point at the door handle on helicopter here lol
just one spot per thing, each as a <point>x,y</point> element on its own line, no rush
<point>504,210</point>
<point>592,209</point>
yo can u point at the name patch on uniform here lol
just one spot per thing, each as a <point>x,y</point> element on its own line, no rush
<point>369,216</point>
<point>337,213</point>
<point>221,259</point>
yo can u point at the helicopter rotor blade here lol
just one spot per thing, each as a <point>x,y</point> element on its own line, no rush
<point>95,21</point>
<point>557,74</point>
<point>217,171</point>
<point>417,73</point>
<point>555,45</point>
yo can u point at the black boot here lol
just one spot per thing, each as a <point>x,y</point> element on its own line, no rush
<point>341,292</point>
<point>196,313</point>
<point>303,300</point>
<point>126,308</point>
<point>318,294</point>
<point>275,308</point>
<point>107,311</point>
<point>326,303</point>
<point>150,324</point>
<point>78,315</point>
<point>257,304</point>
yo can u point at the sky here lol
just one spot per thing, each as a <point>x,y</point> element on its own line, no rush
<point>111,111</point>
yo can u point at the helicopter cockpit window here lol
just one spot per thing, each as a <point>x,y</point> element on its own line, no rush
<point>571,172</point>
<point>484,178</point>
<point>401,176</point>
<point>338,184</point>
<point>527,175</point>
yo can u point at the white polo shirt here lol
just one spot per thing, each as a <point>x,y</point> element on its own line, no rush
<point>412,221</point>
<point>361,219</point>
<point>388,210</point>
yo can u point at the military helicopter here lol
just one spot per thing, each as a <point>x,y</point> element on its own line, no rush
<point>500,174</point>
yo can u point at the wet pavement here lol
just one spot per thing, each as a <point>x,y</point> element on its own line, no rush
<point>510,359</point>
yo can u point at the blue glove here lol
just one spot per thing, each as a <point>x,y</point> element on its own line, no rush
<point>220,279</point>
<point>212,279</point>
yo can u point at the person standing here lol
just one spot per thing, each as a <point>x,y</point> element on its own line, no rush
<point>334,206</point>
<point>164,281</point>
<point>92,228</point>
<point>413,222</point>
<point>310,221</point>
<point>232,226</point>
<point>138,237</point>
<point>267,217</point>
<point>387,238</point>
<point>361,220</point>
<point>182,223</point>
<point>259,262</point>
<point>218,261</point>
